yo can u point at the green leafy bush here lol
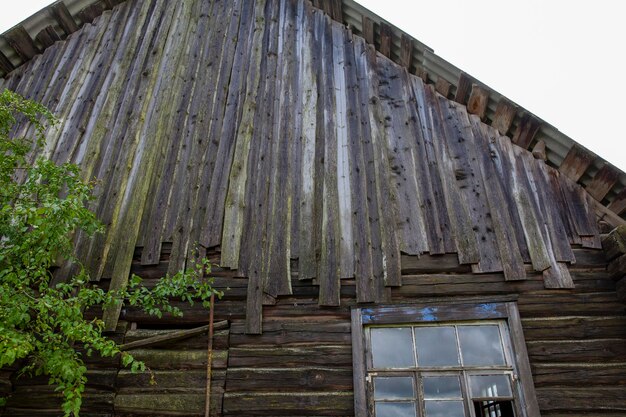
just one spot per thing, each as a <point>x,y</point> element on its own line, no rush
<point>42,205</point>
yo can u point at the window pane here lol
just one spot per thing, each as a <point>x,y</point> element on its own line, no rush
<point>481,345</point>
<point>392,347</point>
<point>436,346</point>
<point>395,410</point>
<point>393,388</point>
<point>441,387</point>
<point>444,409</point>
<point>486,386</point>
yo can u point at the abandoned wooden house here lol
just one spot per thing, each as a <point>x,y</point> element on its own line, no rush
<point>394,238</point>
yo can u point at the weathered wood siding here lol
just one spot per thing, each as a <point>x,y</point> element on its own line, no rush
<point>319,174</point>
<point>270,131</point>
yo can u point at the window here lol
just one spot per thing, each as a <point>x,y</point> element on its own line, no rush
<point>454,360</point>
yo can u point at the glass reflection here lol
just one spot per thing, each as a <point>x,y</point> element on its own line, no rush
<point>436,387</point>
<point>393,388</point>
<point>490,386</point>
<point>444,409</point>
<point>395,410</point>
<point>436,346</point>
<point>392,347</point>
<point>481,345</point>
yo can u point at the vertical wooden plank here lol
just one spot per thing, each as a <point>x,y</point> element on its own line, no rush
<point>52,58</point>
<point>503,118</point>
<point>329,269</point>
<point>68,51</point>
<point>461,225</point>
<point>525,207</point>
<point>77,104</point>
<point>307,266</point>
<point>463,88</point>
<point>521,359</point>
<point>367,29</point>
<point>190,209</point>
<point>278,281</point>
<point>556,235</point>
<point>83,137</point>
<point>220,162</point>
<point>526,130</point>
<point>24,87</point>
<point>358,371</point>
<point>319,69</point>
<point>561,204</point>
<point>295,127</point>
<point>13,78</point>
<point>505,172</point>
<point>510,253</point>
<point>125,228</point>
<point>556,275</point>
<point>593,241</point>
<point>428,199</point>
<point>155,219</point>
<point>235,198</point>
<point>358,134</point>
<point>576,198</point>
<point>386,207</point>
<point>80,121</point>
<point>115,166</point>
<point>66,83</point>
<point>248,77</point>
<point>478,100</point>
<point>107,126</point>
<point>190,205</point>
<point>374,283</point>
<point>461,147</point>
<point>386,36</point>
<point>227,64</point>
<point>254,239</point>
<point>602,182</point>
<point>401,148</point>
<point>438,222</point>
<point>346,239</point>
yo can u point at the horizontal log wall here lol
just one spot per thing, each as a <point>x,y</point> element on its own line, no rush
<point>302,363</point>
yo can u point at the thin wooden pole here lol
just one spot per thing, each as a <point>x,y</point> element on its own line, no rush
<point>207,407</point>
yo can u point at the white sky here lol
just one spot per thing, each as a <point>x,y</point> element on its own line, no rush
<point>564,60</point>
